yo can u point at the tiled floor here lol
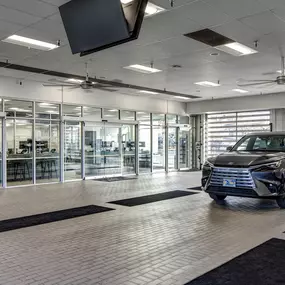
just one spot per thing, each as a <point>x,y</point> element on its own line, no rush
<point>168,242</point>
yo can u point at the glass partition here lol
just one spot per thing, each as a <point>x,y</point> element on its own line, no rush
<point>158,153</point>
<point>144,149</point>
<point>129,149</point>
<point>112,114</point>
<point>172,148</point>
<point>47,151</point>
<point>19,135</point>
<point>127,115</point>
<point>72,151</point>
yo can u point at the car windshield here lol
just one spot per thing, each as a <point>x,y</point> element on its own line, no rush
<point>264,142</point>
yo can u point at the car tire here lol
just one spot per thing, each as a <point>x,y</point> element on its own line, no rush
<point>218,198</point>
<point>281,202</point>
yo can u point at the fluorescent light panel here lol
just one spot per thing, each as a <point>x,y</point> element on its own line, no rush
<point>142,68</point>
<point>148,92</point>
<point>240,91</point>
<point>30,43</point>
<point>207,84</point>
<point>181,97</point>
<point>236,49</point>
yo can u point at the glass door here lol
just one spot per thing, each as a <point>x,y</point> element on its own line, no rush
<point>128,137</point>
<point>102,150</point>
<point>172,149</point>
<point>185,153</point>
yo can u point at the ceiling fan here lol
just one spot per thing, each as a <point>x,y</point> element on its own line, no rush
<point>86,84</point>
<point>280,80</point>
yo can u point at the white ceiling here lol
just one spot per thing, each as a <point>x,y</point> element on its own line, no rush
<point>161,41</point>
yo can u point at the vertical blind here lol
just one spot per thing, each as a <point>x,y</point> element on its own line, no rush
<point>225,129</point>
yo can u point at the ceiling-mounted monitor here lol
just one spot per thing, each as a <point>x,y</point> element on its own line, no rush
<point>94,25</point>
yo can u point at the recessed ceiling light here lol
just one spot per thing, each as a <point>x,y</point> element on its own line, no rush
<point>240,90</point>
<point>148,92</point>
<point>142,68</point>
<point>236,49</point>
<point>30,43</point>
<point>73,80</point>
<point>181,97</point>
<point>208,84</point>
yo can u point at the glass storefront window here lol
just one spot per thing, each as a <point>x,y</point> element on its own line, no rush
<point>171,119</point>
<point>144,118</point>
<point>19,135</point>
<point>183,120</point>
<point>158,152</point>
<point>144,148</point>
<point>112,114</point>
<point>127,115</point>
<point>16,108</point>
<point>129,149</point>
<point>47,111</point>
<point>72,151</point>
<point>71,110</point>
<point>172,148</point>
<point>95,113</point>
<point>158,119</point>
<point>47,151</point>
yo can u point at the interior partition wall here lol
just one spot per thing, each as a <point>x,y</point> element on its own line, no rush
<point>48,142</point>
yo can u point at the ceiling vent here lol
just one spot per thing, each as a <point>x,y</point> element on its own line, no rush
<point>209,37</point>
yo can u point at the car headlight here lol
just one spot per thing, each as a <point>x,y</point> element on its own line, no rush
<point>274,165</point>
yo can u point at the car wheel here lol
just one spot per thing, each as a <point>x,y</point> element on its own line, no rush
<point>281,202</point>
<point>217,198</point>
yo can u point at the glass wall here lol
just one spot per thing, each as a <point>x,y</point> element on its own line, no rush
<point>43,148</point>
<point>72,150</point>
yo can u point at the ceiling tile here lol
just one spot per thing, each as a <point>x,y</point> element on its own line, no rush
<point>55,2</point>
<point>271,4</point>
<point>206,15</point>
<point>264,23</point>
<point>238,9</point>
<point>17,17</point>
<point>10,27</point>
<point>33,7</point>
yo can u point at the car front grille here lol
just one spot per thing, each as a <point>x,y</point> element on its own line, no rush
<point>232,191</point>
<point>242,177</point>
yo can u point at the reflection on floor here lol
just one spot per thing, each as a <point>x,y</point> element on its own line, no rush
<point>168,242</point>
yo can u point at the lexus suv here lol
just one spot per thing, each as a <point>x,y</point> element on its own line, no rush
<point>254,167</point>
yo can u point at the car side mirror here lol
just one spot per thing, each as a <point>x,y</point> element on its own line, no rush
<point>229,148</point>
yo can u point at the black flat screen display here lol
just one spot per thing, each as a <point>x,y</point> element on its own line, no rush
<point>93,25</point>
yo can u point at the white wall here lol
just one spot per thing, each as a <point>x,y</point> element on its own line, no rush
<point>35,91</point>
<point>256,102</point>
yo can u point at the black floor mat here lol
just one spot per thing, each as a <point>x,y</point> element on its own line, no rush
<point>115,179</point>
<point>262,265</point>
<point>152,198</point>
<point>198,188</point>
<point>39,219</point>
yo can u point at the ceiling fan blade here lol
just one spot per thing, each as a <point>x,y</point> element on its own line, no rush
<point>105,89</point>
<point>58,85</point>
<point>257,83</point>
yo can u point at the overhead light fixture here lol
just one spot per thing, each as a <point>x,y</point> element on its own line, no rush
<point>150,10</point>
<point>148,92</point>
<point>142,68</point>
<point>73,80</point>
<point>126,1</point>
<point>181,97</point>
<point>236,49</point>
<point>208,84</point>
<point>240,91</point>
<point>30,43</point>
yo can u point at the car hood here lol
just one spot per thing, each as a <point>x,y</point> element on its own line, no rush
<point>244,159</point>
